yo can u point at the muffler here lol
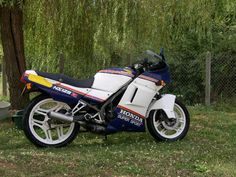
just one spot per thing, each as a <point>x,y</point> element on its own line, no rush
<point>60,116</point>
<point>66,118</point>
<point>79,119</point>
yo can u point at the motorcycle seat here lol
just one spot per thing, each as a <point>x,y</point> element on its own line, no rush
<point>84,83</point>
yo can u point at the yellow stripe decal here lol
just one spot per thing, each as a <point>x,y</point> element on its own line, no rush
<point>39,80</point>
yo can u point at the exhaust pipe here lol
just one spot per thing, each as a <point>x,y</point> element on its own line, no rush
<point>62,117</point>
<point>66,118</point>
<point>59,116</point>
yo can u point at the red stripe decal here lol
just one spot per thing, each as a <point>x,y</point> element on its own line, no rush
<point>116,72</point>
<point>81,93</point>
<point>71,89</point>
<point>127,109</point>
<point>148,78</point>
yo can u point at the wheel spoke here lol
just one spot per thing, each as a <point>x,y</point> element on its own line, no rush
<point>48,134</point>
<point>57,107</point>
<point>157,124</point>
<point>60,131</point>
<point>176,115</point>
<point>163,131</point>
<point>37,123</point>
<point>41,111</point>
<point>181,120</point>
<point>178,129</point>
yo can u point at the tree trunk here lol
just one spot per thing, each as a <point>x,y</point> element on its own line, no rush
<point>13,49</point>
<point>4,80</point>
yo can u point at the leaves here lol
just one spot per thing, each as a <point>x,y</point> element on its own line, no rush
<point>97,34</point>
<point>11,2</point>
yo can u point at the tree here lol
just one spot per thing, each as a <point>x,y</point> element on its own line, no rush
<point>13,48</point>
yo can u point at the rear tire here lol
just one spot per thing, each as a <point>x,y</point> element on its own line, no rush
<point>174,129</point>
<point>43,131</point>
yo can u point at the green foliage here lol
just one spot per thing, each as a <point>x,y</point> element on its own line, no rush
<point>11,2</point>
<point>95,34</point>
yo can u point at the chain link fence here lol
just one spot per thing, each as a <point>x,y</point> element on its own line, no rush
<point>189,80</point>
<point>223,78</point>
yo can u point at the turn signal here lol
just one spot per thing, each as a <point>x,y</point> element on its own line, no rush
<point>29,86</point>
<point>160,83</point>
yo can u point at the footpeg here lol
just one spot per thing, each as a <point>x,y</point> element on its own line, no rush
<point>88,117</point>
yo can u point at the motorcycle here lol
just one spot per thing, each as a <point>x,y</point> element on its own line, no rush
<point>114,100</point>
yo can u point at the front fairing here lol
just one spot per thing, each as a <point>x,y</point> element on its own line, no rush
<point>162,74</point>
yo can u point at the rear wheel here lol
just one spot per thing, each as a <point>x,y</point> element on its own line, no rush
<point>165,129</point>
<point>46,132</point>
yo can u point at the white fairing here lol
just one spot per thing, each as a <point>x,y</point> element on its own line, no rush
<point>166,103</point>
<point>109,82</point>
<point>139,98</point>
<point>139,95</point>
<point>105,84</point>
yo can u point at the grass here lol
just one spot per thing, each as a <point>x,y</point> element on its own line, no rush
<point>208,150</point>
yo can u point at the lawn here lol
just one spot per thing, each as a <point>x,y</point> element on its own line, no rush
<point>208,150</point>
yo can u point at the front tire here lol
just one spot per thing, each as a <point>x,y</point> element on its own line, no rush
<point>164,129</point>
<point>43,131</point>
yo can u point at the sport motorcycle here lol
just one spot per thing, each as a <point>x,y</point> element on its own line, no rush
<point>114,100</point>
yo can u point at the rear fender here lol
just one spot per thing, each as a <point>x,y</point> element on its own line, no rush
<point>165,103</point>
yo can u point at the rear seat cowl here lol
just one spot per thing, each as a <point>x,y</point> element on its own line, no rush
<point>30,72</point>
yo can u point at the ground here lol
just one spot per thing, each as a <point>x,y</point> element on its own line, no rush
<point>208,150</point>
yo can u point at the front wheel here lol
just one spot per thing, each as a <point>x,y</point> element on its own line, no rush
<point>43,131</point>
<point>169,129</point>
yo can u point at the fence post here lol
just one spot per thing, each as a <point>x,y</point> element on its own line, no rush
<point>208,79</point>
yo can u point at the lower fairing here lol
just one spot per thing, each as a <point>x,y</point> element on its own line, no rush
<point>125,120</point>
